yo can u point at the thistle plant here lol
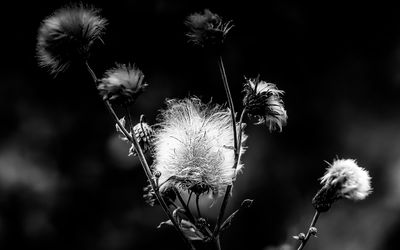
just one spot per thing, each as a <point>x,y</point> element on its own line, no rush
<point>343,179</point>
<point>196,147</point>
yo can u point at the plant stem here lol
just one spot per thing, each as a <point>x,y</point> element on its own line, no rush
<point>230,101</point>
<point>217,242</point>
<point>313,222</point>
<point>132,138</point>
<point>235,144</point>
<point>197,206</point>
<point>183,203</point>
<point>229,187</point>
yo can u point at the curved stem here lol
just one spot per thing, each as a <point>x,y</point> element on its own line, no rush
<point>217,243</point>
<point>313,222</point>
<point>132,138</point>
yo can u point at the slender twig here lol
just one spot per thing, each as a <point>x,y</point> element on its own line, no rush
<point>235,144</point>
<point>217,242</point>
<point>188,200</point>
<point>189,214</point>
<point>229,187</point>
<point>197,206</point>
<point>183,203</point>
<point>132,138</point>
<point>313,222</point>
<point>230,101</point>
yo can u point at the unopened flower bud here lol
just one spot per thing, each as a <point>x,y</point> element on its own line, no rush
<point>313,231</point>
<point>145,136</point>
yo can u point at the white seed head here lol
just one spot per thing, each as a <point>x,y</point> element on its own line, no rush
<point>193,147</point>
<point>350,180</point>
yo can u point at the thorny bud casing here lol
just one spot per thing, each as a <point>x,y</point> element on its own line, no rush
<point>122,84</point>
<point>67,36</point>
<point>343,179</point>
<point>263,101</point>
<point>145,136</point>
<point>207,29</point>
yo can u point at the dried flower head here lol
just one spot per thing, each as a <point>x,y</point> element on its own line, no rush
<point>193,147</point>
<point>207,29</point>
<point>263,101</point>
<point>67,35</point>
<point>145,136</point>
<point>122,84</point>
<point>343,179</point>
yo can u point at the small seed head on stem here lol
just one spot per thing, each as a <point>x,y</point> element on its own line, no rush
<point>67,36</point>
<point>343,179</point>
<point>263,101</point>
<point>207,29</point>
<point>122,84</point>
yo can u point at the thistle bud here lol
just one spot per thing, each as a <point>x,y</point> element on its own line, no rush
<point>145,136</point>
<point>207,29</point>
<point>343,179</point>
<point>122,84</point>
<point>67,36</point>
<point>263,101</point>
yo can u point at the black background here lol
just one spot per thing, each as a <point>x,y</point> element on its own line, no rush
<point>66,181</point>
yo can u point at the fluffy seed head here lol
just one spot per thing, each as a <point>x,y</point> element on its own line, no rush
<point>207,29</point>
<point>263,101</point>
<point>353,182</point>
<point>122,84</point>
<point>193,147</point>
<point>67,36</point>
<point>342,179</point>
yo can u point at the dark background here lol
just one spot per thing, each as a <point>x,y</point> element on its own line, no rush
<point>66,181</point>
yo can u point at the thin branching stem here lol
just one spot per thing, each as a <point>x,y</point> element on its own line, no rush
<point>313,222</point>
<point>189,214</point>
<point>229,187</point>
<point>229,97</point>
<point>183,203</point>
<point>235,144</point>
<point>188,200</point>
<point>197,206</point>
<point>217,243</point>
<point>132,138</point>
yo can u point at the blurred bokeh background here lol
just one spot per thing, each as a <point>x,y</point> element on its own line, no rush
<point>66,181</point>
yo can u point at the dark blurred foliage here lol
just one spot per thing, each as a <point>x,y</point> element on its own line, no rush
<point>66,181</point>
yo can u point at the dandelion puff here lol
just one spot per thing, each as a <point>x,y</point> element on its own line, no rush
<point>122,84</point>
<point>342,179</point>
<point>67,35</point>
<point>193,148</point>
<point>207,29</point>
<point>263,101</point>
